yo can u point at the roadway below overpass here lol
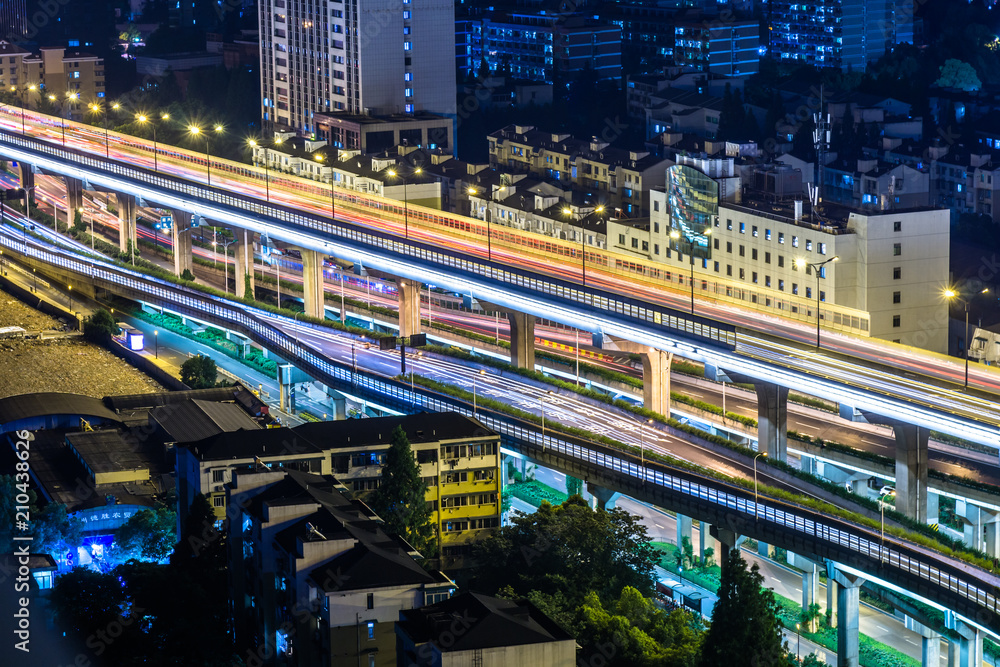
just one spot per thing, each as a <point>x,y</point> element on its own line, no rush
<point>863,373</point>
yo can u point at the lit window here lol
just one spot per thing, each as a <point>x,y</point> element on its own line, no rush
<point>371,629</point>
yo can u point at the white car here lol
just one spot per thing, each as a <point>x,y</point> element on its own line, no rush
<point>887,491</point>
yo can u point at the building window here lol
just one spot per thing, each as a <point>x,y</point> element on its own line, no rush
<point>897,273</point>
<point>656,248</point>
<point>795,241</point>
<point>743,274</point>
<point>715,266</point>
<point>635,243</point>
<point>219,501</point>
<point>743,228</point>
<point>621,239</point>
<point>729,224</point>
<point>729,246</point>
<point>754,277</point>
<point>781,261</point>
<point>781,285</point>
<point>897,297</point>
<point>743,251</point>
<point>371,600</point>
<point>822,248</point>
<point>755,231</point>
<point>795,288</point>
<point>781,237</point>
<point>729,269</point>
<point>371,629</point>
<point>218,476</point>
<point>897,226</point>
<point>767,281</point>
<point>822,295</point>
<point>715,244</point>
<point>767,234</point>
<point>767,258</point>
<point>897,249</point>
<point>645,246</point>
<point>896,321</point>
<point>753,254</point>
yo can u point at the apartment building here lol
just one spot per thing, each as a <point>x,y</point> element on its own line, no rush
<point>66,80</point>
<point>873,183</point>
<point>539,46</point>
<point>617,175</point>
<point>837,33</point>
<point>886,281</point>
<point>13,19</point>
<point>313,579</point>
<point>370,57</point>
<point>459,460</point>
<point>728,47</point>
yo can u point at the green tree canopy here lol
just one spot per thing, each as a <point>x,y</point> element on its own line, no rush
<point>568,550</point>
<point>199,372</point>
<point>958,74</point>
<point>52,528</point>
<point>745,629</point>
<point>634,632</point>
<point>100,326</point>
<point>400,498</point>
<point>149,534</point>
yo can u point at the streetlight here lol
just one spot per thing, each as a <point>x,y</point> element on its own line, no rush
<point>756,497</point>
<point>96,107</point>
<point>489,242</point>
<point>71,302</point>
<point>267,179</point>
<point>676,235</point>
<point>32,88</point>
<point>142,118</point>
<point>817,269</point>
<point>798,648</point>
<point>319,157</point>
<point>195,131</point>
<point>642,442</point>
<point>475,409</point>
<point>567,211</point>
<point>225,259</point>
<point>82,211</point>
<point>156,342</point>
<point>881,508</point>
<point>406,218</point>
<point>953,294</point>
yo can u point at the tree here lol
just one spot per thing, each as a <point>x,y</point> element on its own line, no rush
<point>51,527</point>
<point>199,372</point>
<point>200,540</point>
<point>100,326</point>
<point>86,600</point>
<point>958,74</point>
<point>745,629</point>
<point>78,224</point>
<point>187,275</point>
<point>633,631</point>
<point>400,497</point>
<point>574,485</point>
<point>569,550</point>
<point>247,287</point>
<point>149,534</point>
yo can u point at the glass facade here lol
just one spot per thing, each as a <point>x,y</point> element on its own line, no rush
<point>693,199</point>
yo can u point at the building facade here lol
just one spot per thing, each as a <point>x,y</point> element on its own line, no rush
<point>313,579</point>
<point>13,19</point>
<point>731,48</point>
<point>68,81</point>
<point>837,33</point>
<point>371,57</point>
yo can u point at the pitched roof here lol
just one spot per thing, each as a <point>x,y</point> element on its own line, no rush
<point>487,622</point>
<point>195,419</point>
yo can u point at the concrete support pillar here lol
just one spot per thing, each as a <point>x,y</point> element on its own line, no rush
<point>705,541</point>
<point>911,470</point>
<point>772,420</point>
<point>181,237</point>
<point>831,601</point>
<point>656,380</point>
<point>847,619</point>
<point>933,510</point>
<point>810,587</point>
<point>972,516</point>
<point>808,465</point>
<point>605,498</point>
<point>727,539</point>
<point>969,648</point>
<point>312,283</point>
<point>763,549</point>
<point>409,307</point>
<point>338,404</point>
<point>992,535</point>
<point>953,653</point>
<point>126,222</point>
<point>74,198</point>
<point>683,529</point>
<point>522,339</point>
<point>244,262</point>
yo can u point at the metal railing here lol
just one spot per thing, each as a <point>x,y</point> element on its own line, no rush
<point>952,579</point>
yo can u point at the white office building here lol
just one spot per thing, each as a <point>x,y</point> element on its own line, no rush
<point>363,57</point>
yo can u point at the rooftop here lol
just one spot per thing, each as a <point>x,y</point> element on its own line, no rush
<point>195,419</point>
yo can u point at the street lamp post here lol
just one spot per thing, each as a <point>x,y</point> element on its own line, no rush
<point>406,215</point>
<point>156,342</point>
<point>541,405</point>
<point>567,211</point>
<point>953,294</point>
<point>142,118</point>
<point>225,260</point>
<point>32,88</point>
<point>676,236</point>
<point>475,408</point>
<point>195,131</point>
<point>798,648</point>
<point>267,178</point>
<point>756,497</point>
<point>72,303</point>
<point>319,157</point>
<point>817,269</point>
<point>489,240</point>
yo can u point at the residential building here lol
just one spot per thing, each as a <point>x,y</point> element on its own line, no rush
<point>681,111</point>
<point>459,459</point>
<point>371,57</point>
<point>837,33</point>
<point>620,177</point>
<point>540,46</point>
<point>313,579</point>
<point>475,629</point>
<point>885,283</point>
<point>13,19</point>
<point>74,79</point>
<point>375,134</point>
<point>647,32</point>
<point>869,183</point>
<point>728,47</point>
